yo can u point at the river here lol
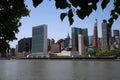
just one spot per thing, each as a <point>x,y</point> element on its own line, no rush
<point>59,70</point>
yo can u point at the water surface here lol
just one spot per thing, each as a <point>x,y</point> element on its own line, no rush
<point>59,70</point>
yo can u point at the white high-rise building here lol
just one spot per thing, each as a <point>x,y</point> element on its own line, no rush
<point>81,47</point>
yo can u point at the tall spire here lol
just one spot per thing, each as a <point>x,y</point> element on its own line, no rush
<point>96,22</point>
<point>68,36</point>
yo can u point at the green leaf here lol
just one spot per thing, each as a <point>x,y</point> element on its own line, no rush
<point>110,20</point>
<point>70,13</point>
<point>80,14</point>
<point>62,4</point>
<point>74,3</point>
<point>36,2</point>
<point>112,12</point>
<point>118,10</point>
<point>70,20</point>
<point>94,1</point>
<point>115,16</point>
<point>104,3</point>
<point>88,11</point>
<point>70,16</point>
<point>93,6</point>
<point>62,16</point>
<point>109,25</point>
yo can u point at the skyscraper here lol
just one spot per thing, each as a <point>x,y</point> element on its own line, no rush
<point>116,33</point>
<point>116,36</point>
<point>99,43</point>
<point>106,35</point>
<point>85,34</point>
<point>95,37</point>
<point>24,45</point>
<point>81,45</point>
<point>49,44</point>
<point>39,39</point>
<point>90,41</point>
<point>67,41</point>
<point>75,33</point>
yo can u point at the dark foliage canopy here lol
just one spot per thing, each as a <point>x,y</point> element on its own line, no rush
<point>11,12</point>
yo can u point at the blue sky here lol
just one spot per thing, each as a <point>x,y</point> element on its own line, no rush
<point>46,13</point>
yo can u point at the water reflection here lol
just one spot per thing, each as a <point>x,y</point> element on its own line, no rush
<point>59,70</point>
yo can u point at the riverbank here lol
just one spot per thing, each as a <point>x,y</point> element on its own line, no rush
<point>80,58</point>
<point>69,58</point>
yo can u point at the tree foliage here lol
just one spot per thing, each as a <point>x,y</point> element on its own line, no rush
<point>11,12</point>
<point>90,53</point>
<point>83,8</point>
<point>115,52</point>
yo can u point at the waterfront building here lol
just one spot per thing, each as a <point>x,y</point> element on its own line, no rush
<point>70,44</point>
<point>16,49</point>
<point>106,35</point>
<point>116,33</point>
<point>67,42</point>
<point>12,51</point>
<point>112,39</point>
<point>95,37</point>
<point>85,34</point>
<point>90,46</point>
<point>39,39</point>
<point>24,45</point>
<point>75,41</point>
<point>117,40</point>
<point>52,41</point>
<point>75,33</point>
<point>99,43</point>
<point>109,37</point>
<point>55,48</point>
<point>81,45</point>
<point>90,40</point>
<point>62,43</point>
<point>49,44</point>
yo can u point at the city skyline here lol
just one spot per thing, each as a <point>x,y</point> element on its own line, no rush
<point>56,28</point>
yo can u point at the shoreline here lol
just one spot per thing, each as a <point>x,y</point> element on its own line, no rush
<point>103,58</point>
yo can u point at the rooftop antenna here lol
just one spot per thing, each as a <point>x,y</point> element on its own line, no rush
<point>68,34</point>
<point>96,18</point>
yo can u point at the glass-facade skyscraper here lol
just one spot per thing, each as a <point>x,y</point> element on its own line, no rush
<point>39,39</point>
<point>106,35</point>
<point>81,45</point>
<point>116,36</point>
<point>75,33</point>
<point>90,40</point>
<point>85,34</point>
<point>116,33</point>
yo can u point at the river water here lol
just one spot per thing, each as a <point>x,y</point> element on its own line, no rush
<point>59,70</point>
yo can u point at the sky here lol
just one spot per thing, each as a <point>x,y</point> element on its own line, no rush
<point>46,13</point>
